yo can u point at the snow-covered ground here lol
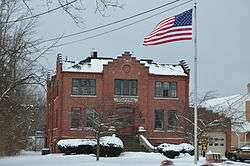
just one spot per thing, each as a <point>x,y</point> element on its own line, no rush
<point>126,159</point>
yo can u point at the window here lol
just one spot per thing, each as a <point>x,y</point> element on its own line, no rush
<point>165,89</point>
<point>159,119</point>
<point>83,87</point>
<point>172,120</point>
<point>90,116</point>
<point>126,87</point>
<point>75,118</point>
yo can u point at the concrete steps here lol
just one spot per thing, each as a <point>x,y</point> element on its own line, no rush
<point>132,144</point>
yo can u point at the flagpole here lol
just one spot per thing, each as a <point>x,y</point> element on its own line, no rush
<point>195,86</point>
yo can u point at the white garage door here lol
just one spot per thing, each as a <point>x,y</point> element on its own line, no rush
<point>217,142</point>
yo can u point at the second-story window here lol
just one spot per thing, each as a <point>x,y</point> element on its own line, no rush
<point>83,86</point>
<point>159,114</point>
<point>165,89</point>
<point>126,87</point>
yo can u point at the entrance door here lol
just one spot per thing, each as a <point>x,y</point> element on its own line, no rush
<point>126,118</point>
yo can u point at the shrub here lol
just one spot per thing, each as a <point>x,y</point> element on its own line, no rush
<point>187,148</point>
<point>110,146</point>
<point>171,153</point>
<point>76,146</point>
<point>45,151</point>
<point>172,150</point>
<point>162,146</point>
<point>109,151</point>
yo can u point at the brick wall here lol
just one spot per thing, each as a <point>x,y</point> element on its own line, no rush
<point>124,67</point>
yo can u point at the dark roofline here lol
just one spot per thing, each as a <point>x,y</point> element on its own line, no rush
<point>88,59</point>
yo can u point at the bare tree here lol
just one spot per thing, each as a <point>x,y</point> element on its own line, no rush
<point>72,8</point>
<point>19,73</point>
<point>101,119</point>
<point>222,115</point>
<point>20,70</point>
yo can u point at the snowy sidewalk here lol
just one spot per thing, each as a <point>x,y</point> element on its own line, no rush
<point>126,159</point>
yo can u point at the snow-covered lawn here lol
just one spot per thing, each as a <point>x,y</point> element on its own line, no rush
<point>126,159</point>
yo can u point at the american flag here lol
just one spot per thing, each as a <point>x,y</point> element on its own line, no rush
<point>176,28</point>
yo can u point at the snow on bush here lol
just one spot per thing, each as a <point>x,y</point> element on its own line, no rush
<point>104,141</point>
<point>109,146</point>
<point>111,141</point>
<point>187,147</point>
<point>172,150</point>
<point>167,147</point>
<point>178,148</point>
<point>76,142</point>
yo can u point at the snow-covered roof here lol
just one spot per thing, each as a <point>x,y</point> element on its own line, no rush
<point>233,107</point>
<point>241,127</point>
<point>223,102</point>
<point>95,65</point>
<point>164,69</point>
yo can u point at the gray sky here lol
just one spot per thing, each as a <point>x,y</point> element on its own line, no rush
<point>223,40</point>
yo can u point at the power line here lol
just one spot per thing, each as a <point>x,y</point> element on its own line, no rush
<point>122,27</point>
<point>40,14</point>
<point>112,23</point>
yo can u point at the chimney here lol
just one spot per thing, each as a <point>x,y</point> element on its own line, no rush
<point>127,53</point>
<point>184,65</point>
<point>93,54</point>
<point>59,58</point>
<point>59,62</point>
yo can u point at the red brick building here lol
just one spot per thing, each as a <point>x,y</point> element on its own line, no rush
<point>154,92</point>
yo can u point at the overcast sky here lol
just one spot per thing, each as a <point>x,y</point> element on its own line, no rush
<point>223,40</point>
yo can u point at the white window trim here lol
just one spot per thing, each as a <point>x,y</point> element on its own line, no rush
<point>159,130</point>
<point>75,129</point>
<point>166,98</point>
<point>83,95</point>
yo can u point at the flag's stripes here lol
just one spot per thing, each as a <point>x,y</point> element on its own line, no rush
<point>168,25</point>
<point>161,25</point>
<point>172,34</point>
<point>168,36</point>
<point>172,29</point>
<point>169,30</point>
<point>168,41</point>
<point>166,20</point>
<point>160,32</point>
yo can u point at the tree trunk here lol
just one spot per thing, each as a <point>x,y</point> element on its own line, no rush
<point>98,146</point>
